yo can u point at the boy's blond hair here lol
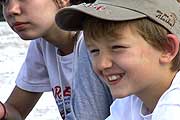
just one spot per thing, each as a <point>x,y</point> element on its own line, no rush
<point>153,33</point>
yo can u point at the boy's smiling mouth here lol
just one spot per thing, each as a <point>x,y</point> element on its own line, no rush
<point>115,77</point>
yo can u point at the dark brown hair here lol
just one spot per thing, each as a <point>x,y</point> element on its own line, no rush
<point>75,2</point>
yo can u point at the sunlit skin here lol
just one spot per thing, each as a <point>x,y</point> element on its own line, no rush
<point>129,65</point>
<point>31,19</point>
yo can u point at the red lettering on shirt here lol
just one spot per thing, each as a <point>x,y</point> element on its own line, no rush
<point>58,94</point>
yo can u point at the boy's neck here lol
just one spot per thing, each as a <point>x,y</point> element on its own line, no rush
<point>64,40</point>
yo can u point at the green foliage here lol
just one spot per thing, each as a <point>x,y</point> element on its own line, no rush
<point>1,14</point>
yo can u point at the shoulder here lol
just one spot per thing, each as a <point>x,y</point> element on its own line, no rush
<point>41,43</point>
<point>124,108</point>
<point>172,95</point>
<point>169,103</point>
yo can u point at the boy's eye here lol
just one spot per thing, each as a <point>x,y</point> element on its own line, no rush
<point>4,2</point>
<point>94,51</point>
<point>115,47</point>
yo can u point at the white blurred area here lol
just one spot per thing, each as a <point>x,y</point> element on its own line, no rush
<point>12,54</point>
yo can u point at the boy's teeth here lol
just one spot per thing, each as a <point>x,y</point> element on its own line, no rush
<point>114,77</point>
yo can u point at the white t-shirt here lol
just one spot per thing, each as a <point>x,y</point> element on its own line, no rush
<point>131,107</point>
<point>66,65</point>
<point>44,70</point>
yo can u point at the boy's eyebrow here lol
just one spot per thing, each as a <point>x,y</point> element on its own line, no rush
<point>113,37</point>
<point>117,35</point>
<point>89,44</point>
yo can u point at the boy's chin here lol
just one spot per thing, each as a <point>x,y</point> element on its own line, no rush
<point>116,94</point>
<point>25,36</point>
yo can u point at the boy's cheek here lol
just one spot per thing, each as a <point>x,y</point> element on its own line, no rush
<point>95,68</point>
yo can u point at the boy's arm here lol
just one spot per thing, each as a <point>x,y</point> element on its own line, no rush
<point>20,103</point>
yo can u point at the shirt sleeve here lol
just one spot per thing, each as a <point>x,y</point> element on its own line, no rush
<point>33,75</point>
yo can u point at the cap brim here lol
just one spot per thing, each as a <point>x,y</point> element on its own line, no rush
<point>71,18</point>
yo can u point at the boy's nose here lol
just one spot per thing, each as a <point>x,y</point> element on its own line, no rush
<point>103,62</point>
<point>13,8</point>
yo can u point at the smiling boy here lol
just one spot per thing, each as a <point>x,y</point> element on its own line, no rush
<point>134,46</point>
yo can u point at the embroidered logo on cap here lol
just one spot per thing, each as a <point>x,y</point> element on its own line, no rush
<point>95,6</point>
<point>169,18</point>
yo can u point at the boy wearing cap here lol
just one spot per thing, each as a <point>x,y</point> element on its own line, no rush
<point>55,61</point>
<point>134,46</point>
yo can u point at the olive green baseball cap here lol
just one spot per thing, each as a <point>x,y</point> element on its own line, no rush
<point>164,12</point>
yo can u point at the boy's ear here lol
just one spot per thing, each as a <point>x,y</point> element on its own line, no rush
<point>171,49</point>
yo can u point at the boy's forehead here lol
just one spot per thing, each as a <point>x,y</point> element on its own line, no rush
<point>106,36</point>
